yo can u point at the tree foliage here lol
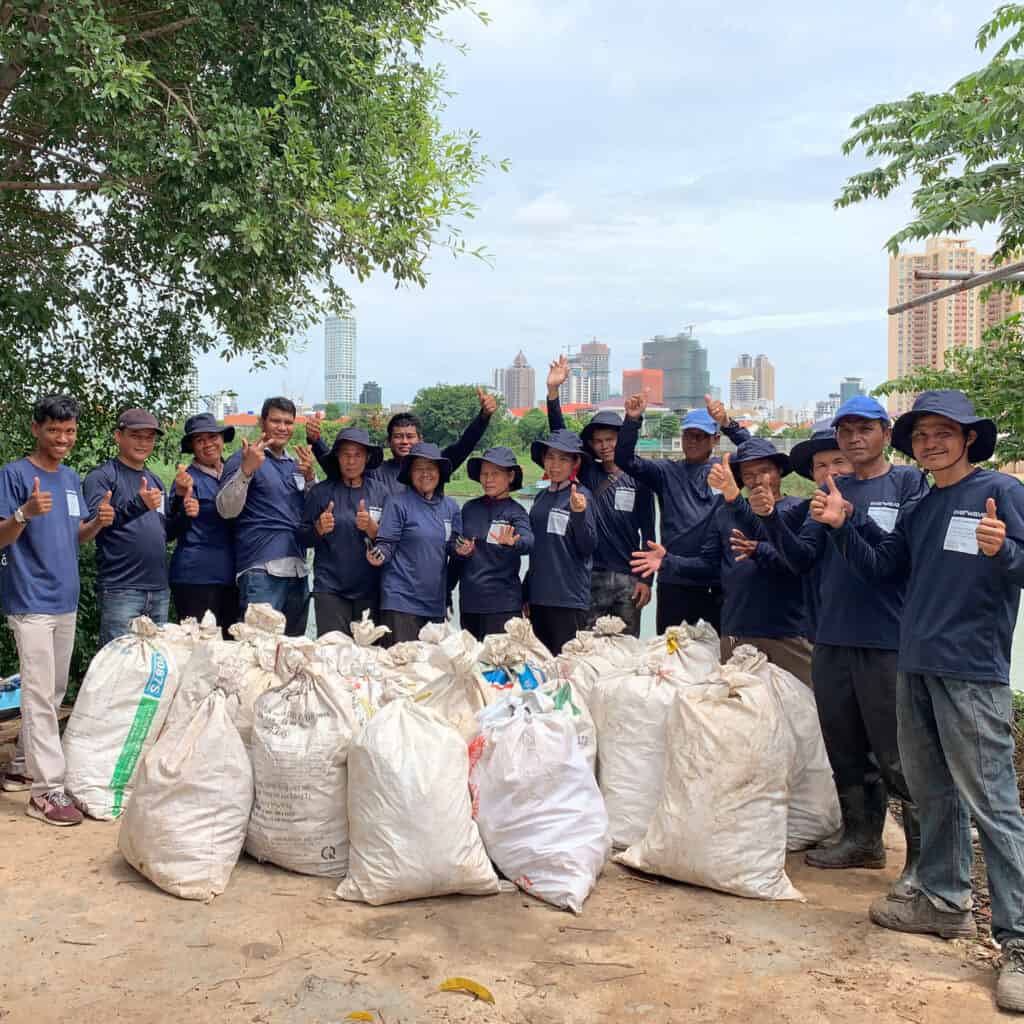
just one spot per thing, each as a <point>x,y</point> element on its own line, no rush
<point>669,426</point>
<point>447,409</point>
<point>532,426</point>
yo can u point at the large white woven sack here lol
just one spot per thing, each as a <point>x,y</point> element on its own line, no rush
<point>693,650</point>
<point>604,650</point>
<point>541,815</point>
<point>515,659</point>
<point>631,713</point>
<point>300,741</point>
<point>721,819</point>
<point>186,822</point>
<point>459,693</point>
<point>814,812</point>
<point>118,715</point>
<point>411,827</point>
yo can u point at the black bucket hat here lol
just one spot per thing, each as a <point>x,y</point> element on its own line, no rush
<point>562,441</point>
<point>424,450</point>
<point>955,406</point>
<point>503,457</point>
<point>374,452</point>
<point>604,420</point>
<point>754,450</point>
<point>822,439</point>
<point>204,423</point>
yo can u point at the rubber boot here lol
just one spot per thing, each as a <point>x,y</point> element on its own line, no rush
<point>861,843</point>
<point>1010,987</point>
<point>906,886</point>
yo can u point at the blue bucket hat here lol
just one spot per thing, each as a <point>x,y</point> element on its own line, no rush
<point>604,420</point>
<point>204,423</point>
<point>822,439</point>
<point>955,406</point>
<point>374,452</point>
<point>503,457</point>
<point>700,419</point>
<point>754,450</point>
<point>424,450</point>
<point>562,441</point>
<point>864,406</point>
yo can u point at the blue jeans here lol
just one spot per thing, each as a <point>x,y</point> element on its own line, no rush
<point>286,594</point>
<point>119,605</point>
<point>957,750</point>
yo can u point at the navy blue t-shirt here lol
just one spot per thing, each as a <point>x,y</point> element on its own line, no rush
<point>489,579</point>
<point>131,553</point>
<point>339,559</point>
<point>39,571</point>
<point>563,550</point>
<point>205,549</point>
<point>961,605</point>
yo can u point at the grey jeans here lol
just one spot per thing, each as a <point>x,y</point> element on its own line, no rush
<point>611,593</point>
<point>956,744</point>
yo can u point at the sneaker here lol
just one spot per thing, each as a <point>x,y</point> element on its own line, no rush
<point>919,915</point>
<point>16,783</point>
<point>55,808</point>
<point>1010,987</point>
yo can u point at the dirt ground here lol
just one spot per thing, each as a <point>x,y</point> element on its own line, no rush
<point>84,938</point>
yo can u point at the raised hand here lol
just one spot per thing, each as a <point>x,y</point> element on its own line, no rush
<point>152,497</point>
<point>722,479</point>
<point>577,501</point>
<point>363,519</point>
<point>191,506</point>
<point>39,502</point>
<point>507,536</point>
<point>253,454</point>
<point>647,563</point>
<point>304,457</point>
<point>465,547</point>
<point>742,546</point>
<point>488,403</point>
<point>325,521</point>
<point>991,531</point>
<point>828,507</point>
<point>558,374</point>
<point>762,501</point>
<point>183,482</point>
<point>636,405</point>
<point>716,410</point>
<point>312,431</point>
<point>105,511</point>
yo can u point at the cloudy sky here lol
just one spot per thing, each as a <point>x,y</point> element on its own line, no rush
<point>672,163</point>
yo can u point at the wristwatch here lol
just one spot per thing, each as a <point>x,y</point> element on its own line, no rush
<point>20,517</point>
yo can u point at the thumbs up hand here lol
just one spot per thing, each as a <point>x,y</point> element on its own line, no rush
<point>829,507</point>
<point>151,496</point>
<point>183,483</point>
<point>488,403</point>
<point>105,511</point>
<point>325,522</point>
<point>991,531</point>
<point>717,411</point>
<point>39,502</point>
<point>762,501</point>
<point>362,516</point>
<point>577,501</point>
<point>722,479</point>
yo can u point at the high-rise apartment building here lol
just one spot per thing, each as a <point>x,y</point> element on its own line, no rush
<point>634,382</point>
<point>684,365</point>
<point>742,390</point>
<point>372,394</point>
<point>850,387</point>
<point>593,357</point>
<point>763,372</point>
<point>340,359</point>
<point>922,336</point>
<point>192,403</point>
<point>517,383</point>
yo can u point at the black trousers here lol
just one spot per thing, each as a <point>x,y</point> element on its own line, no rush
<point>855,689</point>
<point>678,604</point>
<point>334,613</point>
<point>403,625</point>
<point>555,627</point>
<point>194,600</point>
<point>482,624</point>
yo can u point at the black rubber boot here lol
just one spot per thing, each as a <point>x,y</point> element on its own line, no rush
<point>861,843</point>
<point>906,886</point>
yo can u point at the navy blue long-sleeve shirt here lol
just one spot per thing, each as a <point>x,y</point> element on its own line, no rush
<point>623,508</point>
<point>489,579</point>
<point>687,502</point>
<point>961,605</point>
<point>205,548</point>
<point>563,549</point>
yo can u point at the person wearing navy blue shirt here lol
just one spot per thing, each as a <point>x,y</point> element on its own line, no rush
<point>264,491</point>
<point>131,554</point>
<point>687,504</point>
<point>564,541</point>
<point>623,510</point>
<point>202,571</point>
<point>341,520</point>
<point>497,535</point>
<point>43,521</point>
<point>418,532</point>
<point>961,550</point>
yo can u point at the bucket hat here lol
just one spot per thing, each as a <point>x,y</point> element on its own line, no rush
<point>822,439</point>
<point>604,420</point>
<point>700,419</point>
<point>204,423</point>
<point>754,450</point>
<point>955,406</point>
<point>864,406</point>
<point>499,456</point>
<point>374,452</point>
<point>424,450</point>
<point>562,441</point>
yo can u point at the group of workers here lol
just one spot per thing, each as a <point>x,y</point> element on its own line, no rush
<point>893,596</point>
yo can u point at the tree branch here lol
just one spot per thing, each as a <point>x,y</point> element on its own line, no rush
<point>181,103</point>
<point>70,186</point>
<point>12,71</point>
<point>161,30</point>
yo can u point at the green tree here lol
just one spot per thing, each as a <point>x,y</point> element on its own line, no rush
<point>764,430</point>
<point>332,411</point>
<point>797,433</point>
<point>669,426</point>
<point>447,409</point>
<point>532,426</point>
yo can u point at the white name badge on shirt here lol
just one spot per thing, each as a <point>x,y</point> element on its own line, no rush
<point>625,499</point>
<point>375,514</point>
<point>494,532</point>
<point>163,504</point>
<point>884,516</point>
<point>962,534</point>
<point>447,529</point>
<point>73,509</point>
<point>300,481</point>
<point>558,522</point>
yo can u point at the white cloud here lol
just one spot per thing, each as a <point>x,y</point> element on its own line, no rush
<point>546,212</point>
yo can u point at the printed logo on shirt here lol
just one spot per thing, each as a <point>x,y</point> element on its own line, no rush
<point>625,499</point>
<point>447,530</point>
<point>376,513</point>
<point>73,509</point>
<point>300,481</point>
<point>558,522</point>
<point>962,532</point>
<point>495,529</point>
<point>884,514</point>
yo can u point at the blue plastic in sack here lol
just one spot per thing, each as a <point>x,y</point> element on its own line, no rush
<point>502,680</point>
<point>10,695</point>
